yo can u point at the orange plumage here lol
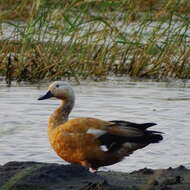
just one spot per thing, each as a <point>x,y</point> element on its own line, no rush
<point>80,140</point>
<point>72,142</point>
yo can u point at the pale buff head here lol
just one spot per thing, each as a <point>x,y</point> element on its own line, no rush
<point>59,89</point>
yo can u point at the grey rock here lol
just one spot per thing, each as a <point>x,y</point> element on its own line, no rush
<point>46,176</point>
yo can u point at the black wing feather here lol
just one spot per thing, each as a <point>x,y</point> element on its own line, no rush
<point>114,142</point>
<point>131,124</point>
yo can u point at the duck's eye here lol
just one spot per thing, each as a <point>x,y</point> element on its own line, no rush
<point>57,85</point>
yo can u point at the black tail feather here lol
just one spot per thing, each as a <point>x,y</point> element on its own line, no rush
<point>147,138</point>
<point>152,137</point>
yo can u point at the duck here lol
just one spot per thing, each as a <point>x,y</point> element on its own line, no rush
<point>92,142</point>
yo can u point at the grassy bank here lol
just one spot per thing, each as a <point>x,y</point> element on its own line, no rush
<point>76,38</point>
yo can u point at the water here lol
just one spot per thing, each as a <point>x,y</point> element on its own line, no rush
<point>23,119</point>
<point>14,30</point>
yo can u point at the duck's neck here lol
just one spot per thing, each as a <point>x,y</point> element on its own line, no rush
<point>61,114</point>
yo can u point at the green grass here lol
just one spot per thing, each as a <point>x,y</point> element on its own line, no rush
<point>94,39</point>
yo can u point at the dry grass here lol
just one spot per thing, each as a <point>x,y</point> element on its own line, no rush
<point>83,39</point>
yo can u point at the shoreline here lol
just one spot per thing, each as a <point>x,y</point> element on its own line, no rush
<point>51,176</point>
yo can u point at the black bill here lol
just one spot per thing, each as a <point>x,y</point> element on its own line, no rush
<point>46,96</point>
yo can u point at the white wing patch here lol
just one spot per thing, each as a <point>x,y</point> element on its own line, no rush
<point>103,148</point>
<point>96,132</point>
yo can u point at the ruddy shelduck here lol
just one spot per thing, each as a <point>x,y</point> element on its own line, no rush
<point>92,142</point>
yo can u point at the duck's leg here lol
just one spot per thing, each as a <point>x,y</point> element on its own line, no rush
<point>88,165</point>
<point>92,170</point>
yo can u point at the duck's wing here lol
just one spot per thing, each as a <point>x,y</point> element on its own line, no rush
<point>115,135</point>
<point>126,137</point>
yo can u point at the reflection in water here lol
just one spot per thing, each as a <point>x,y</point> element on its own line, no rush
<point>23,119</point>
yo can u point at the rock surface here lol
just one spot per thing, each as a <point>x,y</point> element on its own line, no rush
<point>44,176</point>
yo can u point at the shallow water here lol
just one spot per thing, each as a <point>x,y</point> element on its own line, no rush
<point>23,119</point>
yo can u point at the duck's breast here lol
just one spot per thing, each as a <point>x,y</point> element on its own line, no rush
<point>72,142</point>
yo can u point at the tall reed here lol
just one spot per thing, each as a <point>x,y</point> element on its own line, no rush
<point>82,39</point>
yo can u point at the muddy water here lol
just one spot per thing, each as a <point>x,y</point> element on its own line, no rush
<point>23,119</point>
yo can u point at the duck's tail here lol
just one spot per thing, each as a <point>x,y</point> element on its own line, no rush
<point>127,137</point>
<point>139,138</point>
<point>152,137</point>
